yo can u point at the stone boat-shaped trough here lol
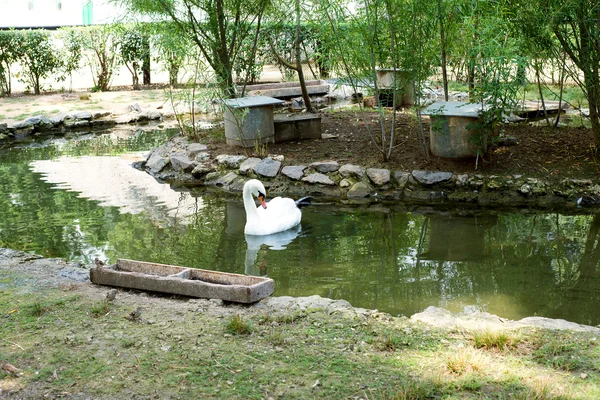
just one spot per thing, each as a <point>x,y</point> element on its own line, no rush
<point>183,281</point>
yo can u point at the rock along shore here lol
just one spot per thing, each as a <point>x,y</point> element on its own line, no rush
<point>61,123</point>
<point>185,163</point>
<point>30,272</point>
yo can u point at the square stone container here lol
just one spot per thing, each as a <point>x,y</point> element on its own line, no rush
<point>454,131</point>
<point>183,281</point>
<point>249,120</point>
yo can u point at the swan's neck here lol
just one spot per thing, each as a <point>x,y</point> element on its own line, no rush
<point>249,204</point>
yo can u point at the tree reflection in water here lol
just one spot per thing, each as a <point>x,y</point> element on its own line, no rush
<point>396,258</point>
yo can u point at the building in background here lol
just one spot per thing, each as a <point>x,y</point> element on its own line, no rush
<point>57,13</point>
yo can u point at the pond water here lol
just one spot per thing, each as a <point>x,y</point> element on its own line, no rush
<point>80,198</point>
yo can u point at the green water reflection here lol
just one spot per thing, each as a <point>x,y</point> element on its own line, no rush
<point>64,199</point>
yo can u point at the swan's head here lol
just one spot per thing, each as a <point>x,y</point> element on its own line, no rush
<point>257,189</point>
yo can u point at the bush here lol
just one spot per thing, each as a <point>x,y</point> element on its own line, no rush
<point>10,50</point>
<point>39,59</point>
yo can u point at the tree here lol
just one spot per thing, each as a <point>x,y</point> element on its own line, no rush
<point>10,50</point>
<point>172,48</point>
<point>374,36</point>
<point>72,51</point>
<point>39,59</point>
<point>101,45</point>
<point>217,27</point>
<point>447,14</point>
<point>296,64</point>
<point>576,25</point>
<point>133,47</point>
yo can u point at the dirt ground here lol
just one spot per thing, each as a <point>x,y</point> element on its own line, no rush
<point>540,151</point>
<point>350,137</point>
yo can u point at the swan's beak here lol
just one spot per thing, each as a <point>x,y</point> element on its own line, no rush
<point>261,198</point>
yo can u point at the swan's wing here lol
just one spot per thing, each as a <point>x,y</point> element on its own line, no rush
<point>281,214</point>
<point>282,204</point>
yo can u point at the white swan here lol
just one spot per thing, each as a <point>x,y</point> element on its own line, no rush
<point>280,214</point>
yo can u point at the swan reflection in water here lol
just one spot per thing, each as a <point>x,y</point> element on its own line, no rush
<point>275,241</point>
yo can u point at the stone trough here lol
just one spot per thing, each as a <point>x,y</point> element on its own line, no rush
<point>183,281</point>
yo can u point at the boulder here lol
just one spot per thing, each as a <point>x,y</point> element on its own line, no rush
<point>268,167</point>
<point>100,114</point>
<point>58,118</point>
<point>80,115</point>
<point>194,149</point>
<point>225,181</point>
<point>462,180</point>
<point>201,157</point>
<point>429,178</point>
<point>156,162</point>
<point>203,169</point>
<point>379,176</point>
<point>153,115</point>
<point>352,171</point>
<point>230,161</point>
<point>23,125</point>
<point>318,178</point>
<point>401,178</point>
<point>345,183</point>
<point>76,123</point>
<point>44,124</point>
<point>181,162</point>
<point>325,166</point>
<point>295,172</point>
<point>359,190</point>
<point>249,165</point>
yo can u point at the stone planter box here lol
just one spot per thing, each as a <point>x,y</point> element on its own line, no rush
<point>183,281</point>
<point>297,127</point>
<point>387,79</point>
<point>249,121</point>
<point>454,132</point>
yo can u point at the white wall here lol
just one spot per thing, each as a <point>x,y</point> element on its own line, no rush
<point>41,13</point>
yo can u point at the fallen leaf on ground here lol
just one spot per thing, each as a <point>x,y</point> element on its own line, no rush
<point>11,369</point>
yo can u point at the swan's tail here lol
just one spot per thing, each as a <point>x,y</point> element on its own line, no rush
<point>303,202</point>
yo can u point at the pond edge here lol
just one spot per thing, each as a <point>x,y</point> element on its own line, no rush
<point>184,163</point>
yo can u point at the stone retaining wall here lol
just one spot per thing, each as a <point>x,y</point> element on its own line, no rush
<point>191,164</point>
<point>76,121</point>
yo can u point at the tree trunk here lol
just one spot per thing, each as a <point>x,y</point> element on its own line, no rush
<point>305,95</point>
<point>593,90</point>
<point>173,74</point>
<point>539,85</point>
<point>225,68</point>
<point>590,66</point>
<point>36,85</point>
<point>321,62</point>
<point>471,73</point>
<point>135,77</point>
<point>443,44</point>
<point>146,62</point>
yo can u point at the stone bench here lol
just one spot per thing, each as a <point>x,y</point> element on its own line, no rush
<point>286,90</point>
<point>296,127</point>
